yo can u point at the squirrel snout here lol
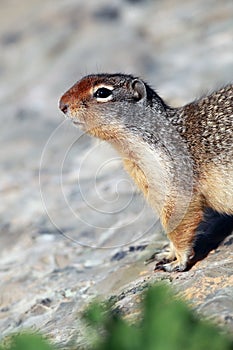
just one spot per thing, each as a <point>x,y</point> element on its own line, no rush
<point>63,106</point>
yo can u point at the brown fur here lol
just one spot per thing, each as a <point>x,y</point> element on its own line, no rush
<point>218,190</point>
<point>137,175</point>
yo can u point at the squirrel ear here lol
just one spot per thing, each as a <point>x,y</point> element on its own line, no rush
<point>139,89</point>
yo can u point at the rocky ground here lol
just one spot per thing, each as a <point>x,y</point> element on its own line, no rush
<point>72,223</point>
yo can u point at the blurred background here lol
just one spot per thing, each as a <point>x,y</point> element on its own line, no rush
<point>54,179</point>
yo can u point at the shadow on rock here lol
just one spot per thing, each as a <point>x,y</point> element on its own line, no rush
<point>211,233</point>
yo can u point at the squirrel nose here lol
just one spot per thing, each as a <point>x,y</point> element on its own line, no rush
<point>63,106</point>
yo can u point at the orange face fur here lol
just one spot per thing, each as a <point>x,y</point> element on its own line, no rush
<point>86,110</point>
<point>77,98</point>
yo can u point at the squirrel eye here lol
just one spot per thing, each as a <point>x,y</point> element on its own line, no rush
<point>103,93</point>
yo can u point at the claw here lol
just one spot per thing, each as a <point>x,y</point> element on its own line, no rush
<point>170,266</point>
<point>159,267</point>
<point>175,266</point>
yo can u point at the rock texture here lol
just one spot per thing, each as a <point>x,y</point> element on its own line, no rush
<point>72,225</point>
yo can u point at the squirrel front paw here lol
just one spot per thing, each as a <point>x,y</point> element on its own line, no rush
<point>173,266</point>
<point>167,255</point>
<point>173,260</point>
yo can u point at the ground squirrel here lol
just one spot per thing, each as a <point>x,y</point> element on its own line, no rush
<point>181,158</point>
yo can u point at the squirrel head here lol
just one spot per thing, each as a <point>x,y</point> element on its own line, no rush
<point>105,104</point>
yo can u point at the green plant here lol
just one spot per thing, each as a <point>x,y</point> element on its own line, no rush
<point>26,341</point>
<point>167,324</point>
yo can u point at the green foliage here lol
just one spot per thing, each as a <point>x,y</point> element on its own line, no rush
<point>166,324</point>
<point>26,341</point>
